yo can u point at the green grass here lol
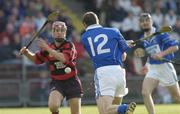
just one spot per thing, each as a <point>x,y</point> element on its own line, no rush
<point>160,109</point>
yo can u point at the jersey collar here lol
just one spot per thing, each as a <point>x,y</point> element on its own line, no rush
<point>93,26</point>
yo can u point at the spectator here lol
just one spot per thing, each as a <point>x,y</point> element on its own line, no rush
<point>170,18</point>
<point>158,18</point>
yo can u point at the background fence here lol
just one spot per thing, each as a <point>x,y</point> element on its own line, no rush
<point>31,88</point>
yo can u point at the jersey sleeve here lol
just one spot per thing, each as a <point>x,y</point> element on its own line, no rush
<point>69,52</point>
<point>40,57</point>
<point>83,41</point>
<point>167,41</point>
<point>122,42</point>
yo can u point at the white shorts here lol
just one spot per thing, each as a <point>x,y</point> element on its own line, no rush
<point>111,81</point>
<point>164,73</point>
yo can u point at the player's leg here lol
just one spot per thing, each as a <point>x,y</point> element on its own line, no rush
<point>175,91</point>
<point>73,94</point>
<point>117,100</point>
<point>75,105</point>
<point>109,85</point>
<point>129,109</point>
<point>105,106</point>
<point>56,96</point>
<point>149,84</point>
<point>170,80</point>
<point>55,99</point>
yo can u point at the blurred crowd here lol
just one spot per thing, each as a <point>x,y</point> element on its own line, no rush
<point>19,19</point>
<point>124,14</point>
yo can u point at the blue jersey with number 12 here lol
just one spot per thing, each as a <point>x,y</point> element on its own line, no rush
<point>104,45</point>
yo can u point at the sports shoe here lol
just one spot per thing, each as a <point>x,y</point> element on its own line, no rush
<point>131,108</point>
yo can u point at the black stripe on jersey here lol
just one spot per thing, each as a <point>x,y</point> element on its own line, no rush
<point>45,53</point>
<point>56,71</point>
<point>60,71</point>
<point>40,58</point>
<point>67,49</point>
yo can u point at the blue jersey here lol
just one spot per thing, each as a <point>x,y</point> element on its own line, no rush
<point>105,46</point>
<point>157,44</point>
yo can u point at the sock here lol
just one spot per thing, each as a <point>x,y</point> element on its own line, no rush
<point>55,112</point>
<point>122,109</point>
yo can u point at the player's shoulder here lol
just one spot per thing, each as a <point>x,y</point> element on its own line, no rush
<point>111,29</point>
<point>163,36</point>
<point>83,34</point>
<point>68,44</point>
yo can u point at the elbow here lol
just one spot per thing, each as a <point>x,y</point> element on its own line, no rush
<point>124,56</point>
<point>176,48</point>
<point>64,60</point>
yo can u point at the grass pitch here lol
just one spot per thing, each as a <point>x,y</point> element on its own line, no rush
<point>160,109</point>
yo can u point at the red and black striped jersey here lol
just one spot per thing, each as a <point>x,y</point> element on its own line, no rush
<point>56,67</point>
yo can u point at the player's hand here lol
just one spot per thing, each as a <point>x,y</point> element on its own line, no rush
<point>130,43</point>
<point>42,44</point>
<point>157,56</point>
<point>139,52</point>
<point>23,51</point>
<point>144,70</point>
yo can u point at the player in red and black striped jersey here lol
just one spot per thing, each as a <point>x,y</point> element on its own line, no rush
<point>57,67</point>
<point>61,58</point>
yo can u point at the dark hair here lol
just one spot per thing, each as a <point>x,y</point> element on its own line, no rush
<point>90,18</point>
<point>144,16</point>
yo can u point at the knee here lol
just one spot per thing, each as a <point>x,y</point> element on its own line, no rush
<point>177,98</point>
<point>145,93</point>
<point>107,110</point>
<point>76,112</point>
<point>53,107</point>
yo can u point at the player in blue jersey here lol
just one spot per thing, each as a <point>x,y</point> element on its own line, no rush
<point>157,71</point>
<point>107,49</point>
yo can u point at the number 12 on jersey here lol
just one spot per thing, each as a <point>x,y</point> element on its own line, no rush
<point>99,49</point>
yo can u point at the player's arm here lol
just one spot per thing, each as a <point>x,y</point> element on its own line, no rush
<point>130,43</point>
<point>169,50</point>
<point>172,46</point>
<point>31,56</point>
<point>58,55</point>
<point>124,55</point>
<point>123,44</point>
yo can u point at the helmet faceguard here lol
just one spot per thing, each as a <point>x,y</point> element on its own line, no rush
<point>59,29</point>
